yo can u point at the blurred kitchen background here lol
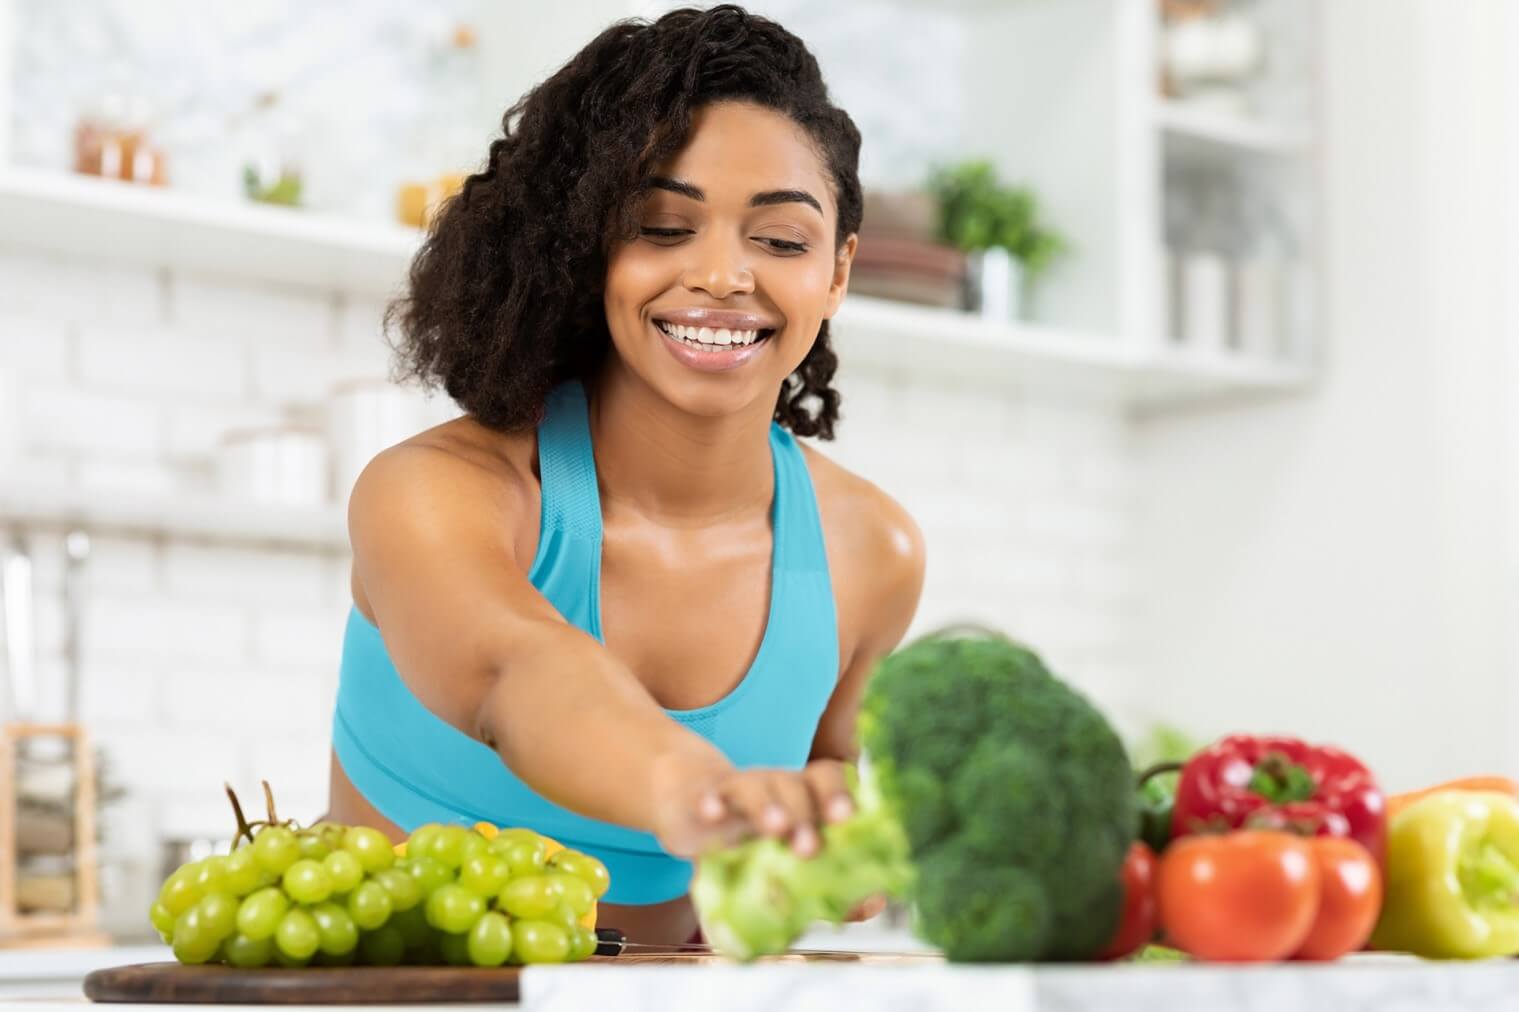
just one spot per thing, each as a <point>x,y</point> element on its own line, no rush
<point>1181,326</point>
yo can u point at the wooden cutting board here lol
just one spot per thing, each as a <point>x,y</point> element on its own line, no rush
<point>173,983</point>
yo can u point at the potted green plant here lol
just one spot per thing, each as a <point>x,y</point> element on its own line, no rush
<point>997,225</point>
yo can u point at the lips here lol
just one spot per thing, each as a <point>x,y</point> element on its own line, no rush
<point>710,358</point>
<point>717,319</point>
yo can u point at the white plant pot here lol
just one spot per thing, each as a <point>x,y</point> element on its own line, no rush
<point>995,280</point>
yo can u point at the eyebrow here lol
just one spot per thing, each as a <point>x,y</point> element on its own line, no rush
<point>764,198</point>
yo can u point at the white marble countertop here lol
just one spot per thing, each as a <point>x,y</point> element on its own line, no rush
<point>1379,983</point>
<point>48,982</point>
<point>57,973</point>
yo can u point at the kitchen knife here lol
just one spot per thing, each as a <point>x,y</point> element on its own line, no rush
<point>612,942</point>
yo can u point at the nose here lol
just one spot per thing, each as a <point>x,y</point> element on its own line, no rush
<point>719,267</point>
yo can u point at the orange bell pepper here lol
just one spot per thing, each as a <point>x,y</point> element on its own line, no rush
<point>1503,785</point>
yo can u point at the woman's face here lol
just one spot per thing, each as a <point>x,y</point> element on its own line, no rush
<point>719,297</point>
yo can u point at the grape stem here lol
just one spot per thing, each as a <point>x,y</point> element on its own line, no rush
<point>274,820</point>
<point>243,828</point>
<point>246,828</point>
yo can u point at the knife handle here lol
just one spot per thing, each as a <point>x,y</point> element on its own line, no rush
<point>610,942</point>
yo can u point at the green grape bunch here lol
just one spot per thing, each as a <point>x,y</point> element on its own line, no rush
<point>335,895</point>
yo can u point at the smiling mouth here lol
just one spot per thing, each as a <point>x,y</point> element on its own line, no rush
<point>713,339</point>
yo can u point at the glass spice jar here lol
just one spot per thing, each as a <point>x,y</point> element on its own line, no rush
<point>112,139</point>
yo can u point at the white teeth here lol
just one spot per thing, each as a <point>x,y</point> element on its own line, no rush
<point>716,338</point>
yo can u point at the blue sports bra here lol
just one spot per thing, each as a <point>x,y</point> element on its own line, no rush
<point>416,768</point>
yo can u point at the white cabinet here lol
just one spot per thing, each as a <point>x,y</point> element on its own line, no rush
<point>1170,203</point>
<point>1061,94</point>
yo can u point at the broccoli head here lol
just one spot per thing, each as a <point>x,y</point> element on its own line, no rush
<point>1015,795</point>
<point>996,798</point>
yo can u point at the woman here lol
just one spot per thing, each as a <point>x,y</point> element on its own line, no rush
<point>616,601</point>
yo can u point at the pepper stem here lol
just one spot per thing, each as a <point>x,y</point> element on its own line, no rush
<point>1281,781</point>
<point>1489,877</point>
<point>1156,770</point>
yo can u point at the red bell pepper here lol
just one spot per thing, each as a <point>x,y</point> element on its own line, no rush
<point>1280,783</point>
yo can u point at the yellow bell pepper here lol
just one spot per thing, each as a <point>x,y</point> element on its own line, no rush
<point>1453,877</point>
<point>490,832</point>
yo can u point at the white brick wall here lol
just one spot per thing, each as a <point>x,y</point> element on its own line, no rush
<point>139,476</point>
<point>308,639</point>
<point>121,695</point>
<point>1024,501</point>
<point>141,360</point>
<point>67,418</point>
<point>67,288</point>
<point>359,322</point>
<point>218,306</point>
<point>280,373</point>
<point>205,664</point>
<point>295,580</point>
<point>157,626</point>
<point>37,347</point>
<point>194,431</point>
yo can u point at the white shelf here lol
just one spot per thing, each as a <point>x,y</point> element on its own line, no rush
<point>877,333</point>
<point>198,518</point>
<point>88,216</point>
<point>1234,132</point>
<point>1167,379</point>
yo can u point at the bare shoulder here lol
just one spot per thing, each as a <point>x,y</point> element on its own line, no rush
<point>860,515</point>
<point>448,480</point>
<point>876,549</point>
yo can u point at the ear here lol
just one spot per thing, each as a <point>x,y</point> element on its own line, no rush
<point>840,283</point>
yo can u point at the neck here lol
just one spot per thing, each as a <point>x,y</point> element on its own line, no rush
<point>676,467</point>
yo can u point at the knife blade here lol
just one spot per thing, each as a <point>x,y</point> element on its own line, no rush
<point>612,942</point>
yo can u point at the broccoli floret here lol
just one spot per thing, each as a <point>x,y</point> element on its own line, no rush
<point>1000,804</point>
<point>756,898</point>
<point>1022,862</point>
<point>977,912</point>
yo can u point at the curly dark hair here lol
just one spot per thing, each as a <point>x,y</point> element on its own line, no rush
<point>505,294</point>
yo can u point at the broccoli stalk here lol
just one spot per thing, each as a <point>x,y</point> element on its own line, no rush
<point>757,898</point>
<point>1002,806</point>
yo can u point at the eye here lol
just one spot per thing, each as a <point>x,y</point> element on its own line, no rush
<point>786,245</point>
<point>665,233</point>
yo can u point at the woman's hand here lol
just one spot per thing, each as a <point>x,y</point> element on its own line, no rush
<point>720,806</point>
<point>867,909</point>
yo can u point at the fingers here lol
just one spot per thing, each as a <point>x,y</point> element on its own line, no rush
<point>780,804</point>
<point>731,832</point>
<point>867,909</point>
<point>793,800</point>
<point>710,809</point>
<point>830,791</point>
<point>747,796</point>
<point>774,803</point>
